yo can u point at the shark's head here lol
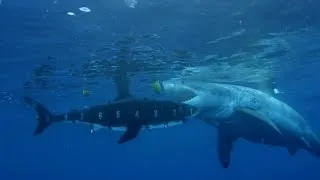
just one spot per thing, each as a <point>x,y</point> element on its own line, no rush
<point>213,100</point>
<point>192,93</point>
<point>177,90</point>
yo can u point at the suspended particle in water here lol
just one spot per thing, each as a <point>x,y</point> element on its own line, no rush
<point>84,9</point>
<point>8,98</point>
<point>71,13</point>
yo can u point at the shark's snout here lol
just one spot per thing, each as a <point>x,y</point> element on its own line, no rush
<point>178,91</point>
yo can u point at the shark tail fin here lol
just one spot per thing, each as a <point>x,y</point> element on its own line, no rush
<point>43,115</point>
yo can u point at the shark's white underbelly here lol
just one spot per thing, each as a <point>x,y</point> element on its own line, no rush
<point>96,127</point>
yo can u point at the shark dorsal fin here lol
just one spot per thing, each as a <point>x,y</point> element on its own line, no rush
<point>269,87</point>
<point>122,88</point>
<point>121,81</point>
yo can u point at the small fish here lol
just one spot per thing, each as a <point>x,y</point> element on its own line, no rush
<point>86,92</point>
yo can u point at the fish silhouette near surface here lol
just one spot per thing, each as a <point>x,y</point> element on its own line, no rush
<point>129,116</point>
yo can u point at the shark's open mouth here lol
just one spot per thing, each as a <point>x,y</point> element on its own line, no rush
<point>178,91</point>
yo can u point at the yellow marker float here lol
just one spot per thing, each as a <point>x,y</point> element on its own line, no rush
<point>156,86</point>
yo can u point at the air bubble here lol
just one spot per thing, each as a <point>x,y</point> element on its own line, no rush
<point>71,13</point>
<point>84,9</point>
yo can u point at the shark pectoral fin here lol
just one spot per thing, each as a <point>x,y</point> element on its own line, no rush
<point>131,132</point>
<point>225,111</point>
<point>267,87</point>
<point>259,116</point>
<point>225,145</point>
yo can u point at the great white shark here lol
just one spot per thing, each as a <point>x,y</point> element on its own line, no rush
<point>242,112</point>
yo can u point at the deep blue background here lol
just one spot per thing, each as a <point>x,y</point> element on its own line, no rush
<point>32,30</point>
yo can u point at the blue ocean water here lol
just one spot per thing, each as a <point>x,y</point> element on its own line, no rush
<point>50,55</point>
